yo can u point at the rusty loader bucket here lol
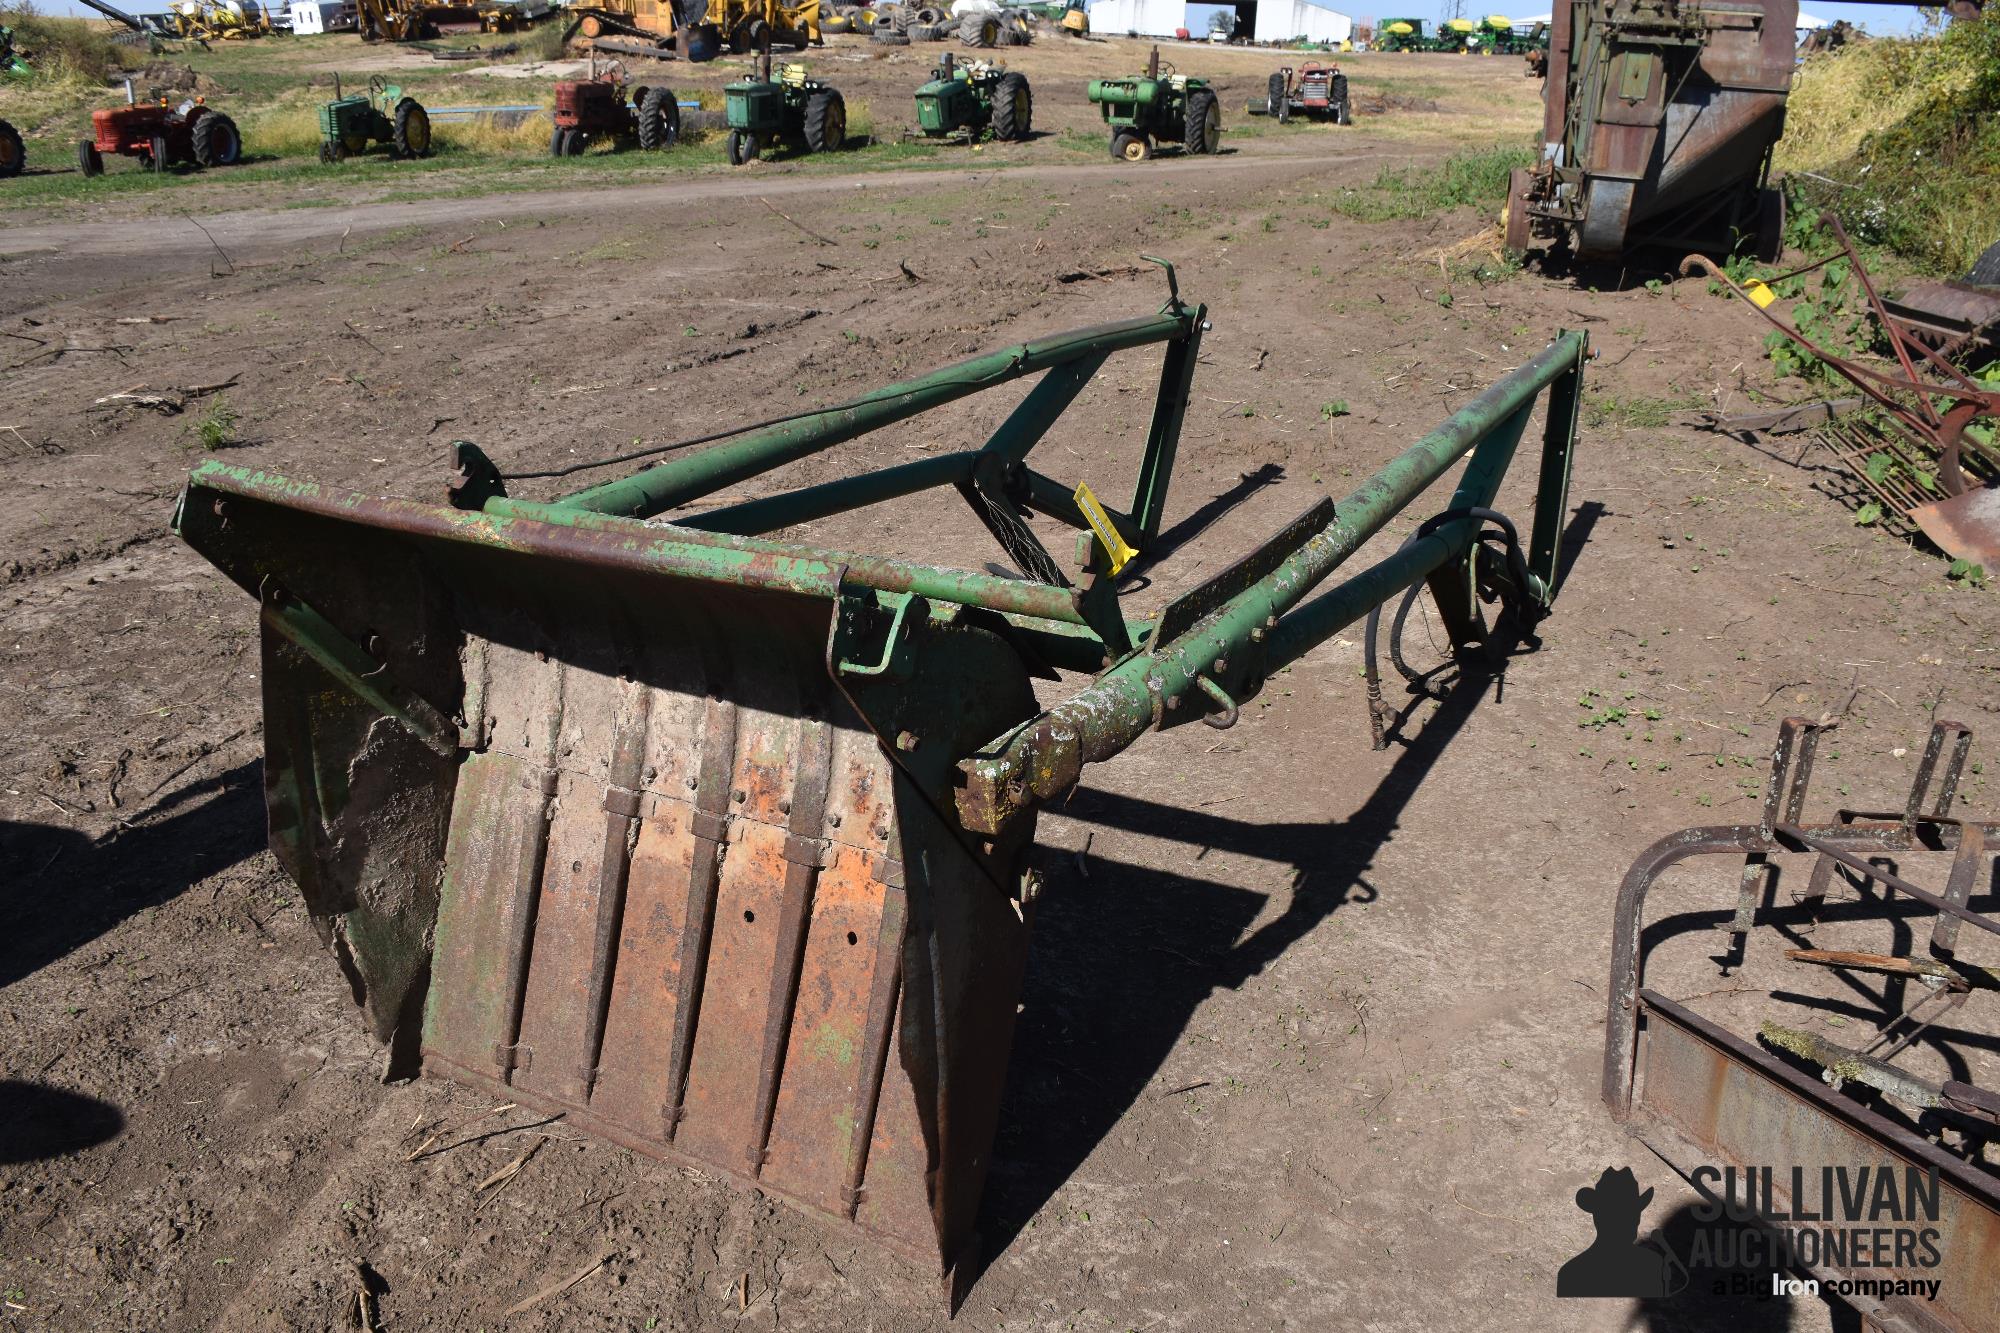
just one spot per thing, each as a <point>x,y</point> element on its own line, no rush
<point>719,845</point>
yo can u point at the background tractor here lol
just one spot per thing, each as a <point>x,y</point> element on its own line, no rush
<point>347,125</point>
<point>12,156</point>
<point>1151,108</point>
<point>161,136</point>
<point>792,109</point>
<point>597,108</point>
<point>975,97</point>
<point>1317,92</point>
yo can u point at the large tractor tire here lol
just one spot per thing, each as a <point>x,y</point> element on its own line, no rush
<point>13,156</point>
<point>826,122</point>
<point>889,36</point>
<point>1985,270</point>
<point>216,142</point>
<point>835,24</point>
<point>1343,101</point>
<point>659,119</point>
<point>1013,108</point>
<point>412,132</point>
<point>980,30</point>
<point>1203,129</point>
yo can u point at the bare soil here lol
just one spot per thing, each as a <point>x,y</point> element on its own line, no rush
<point>1311,1035</point>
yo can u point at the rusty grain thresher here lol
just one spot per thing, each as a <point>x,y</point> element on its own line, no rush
<point>720,844</point>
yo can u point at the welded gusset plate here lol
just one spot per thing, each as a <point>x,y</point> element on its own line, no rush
<point>686,897</point>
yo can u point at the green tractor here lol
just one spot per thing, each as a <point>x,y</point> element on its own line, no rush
<point>973,98</point>
<point>1151,108</point>
<point>347,125</point>
<point>792,109</point>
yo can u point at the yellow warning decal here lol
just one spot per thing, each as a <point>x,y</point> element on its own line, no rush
<point>1100,523</point>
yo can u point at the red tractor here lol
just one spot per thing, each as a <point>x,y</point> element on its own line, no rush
<point>160,136</point>
<point>1318,92</point>
<point>596,108</point>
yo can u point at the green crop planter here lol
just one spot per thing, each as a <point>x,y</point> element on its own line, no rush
<point>754,106</point>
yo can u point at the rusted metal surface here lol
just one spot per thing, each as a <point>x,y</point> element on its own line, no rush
<point>1658,124</point>
<point>1701,1095</point>
<point>1938,475</point>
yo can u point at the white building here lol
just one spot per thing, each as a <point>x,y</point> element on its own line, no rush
<point>1148,18</point>
<point>1284,20</point>
<point>317,16</point>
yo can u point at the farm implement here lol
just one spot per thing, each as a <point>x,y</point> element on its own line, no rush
<point>598,108</point>
<point>719,844</point>
<point>160,135</point>
<point>1317,92</point>
<point>1854,1032</point>
<point>793,109</point>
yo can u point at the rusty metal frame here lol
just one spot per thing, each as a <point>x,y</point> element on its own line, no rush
<point>1698,1094</point>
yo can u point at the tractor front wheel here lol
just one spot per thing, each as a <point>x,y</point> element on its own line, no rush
<point>412,134</point>
<point>1203,130</point>
<point>741,147</point>
<point>156,157</point>
<point>1131,147</point>
<point>659,119</point>
<point>88,160</point>
<point>12,155</point>
<point>575,142</point>
<point>826,122</point>
<point>328,154</point>
<point>556,141</point>
<point>1013,108</point>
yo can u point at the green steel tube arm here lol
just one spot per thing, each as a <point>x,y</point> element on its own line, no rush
<point>665,485</point>
<point>1044,758</point>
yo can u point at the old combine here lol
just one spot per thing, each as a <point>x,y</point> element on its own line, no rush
<point>793,110</point>
<point>1660,118</point>
<point>974,98</point>
<point>1317,92</point>
<point>1153,108</point>
<point>720,845</point>
<point>348,125</point>
<point>598,108</point>
<point>160,136</point>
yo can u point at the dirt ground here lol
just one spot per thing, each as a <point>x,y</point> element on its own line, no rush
<point>1311,1034</point>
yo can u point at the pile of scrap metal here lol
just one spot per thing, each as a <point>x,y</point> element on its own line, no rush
<point>720,845</point>
<point>415,20</point>
<point>1743,1085</point>
<point>1921,437</point>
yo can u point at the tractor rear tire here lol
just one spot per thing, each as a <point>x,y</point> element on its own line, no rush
<point>889,36</point>
<point>836,24</point>
<point>1985,270</point>
<point>88,160</point>
<point>412,133</point>
<point>659,119</point>
<point>156,158</point>
<point>12,155</point>
<point>1013,108</point>
<point>216,141</point>
<point>1203,130</point>
<point>1343,101</point>
<point>980,30</point>
<point>826,122</point>
<point>1131,147</point>
<point>1274,88</point>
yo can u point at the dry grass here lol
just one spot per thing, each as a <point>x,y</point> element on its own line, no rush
<point>1890,77</point>
<point>72,60</point>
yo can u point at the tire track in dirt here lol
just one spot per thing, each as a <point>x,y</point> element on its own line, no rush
<point>248,230</point>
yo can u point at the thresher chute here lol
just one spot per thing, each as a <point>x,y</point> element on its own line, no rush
<point>719,844</point>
